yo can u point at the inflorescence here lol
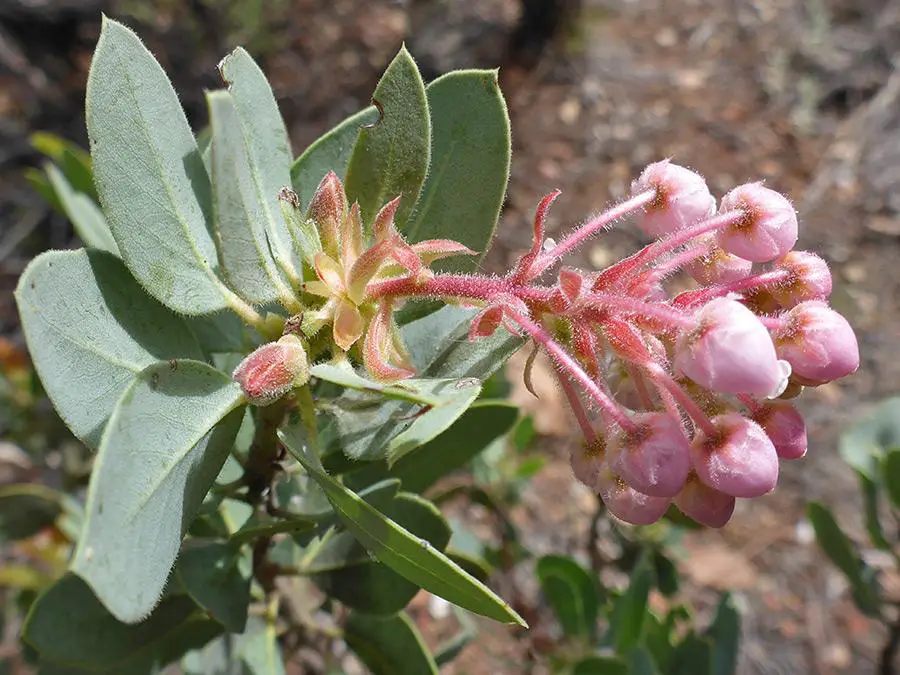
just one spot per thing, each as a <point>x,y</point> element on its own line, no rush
<point>691,390</point>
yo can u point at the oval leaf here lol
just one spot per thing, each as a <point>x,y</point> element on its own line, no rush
<point>470,156</point>
<point>162,449</point>
<point>243,213</point>
<point>269,148</point>
<point>67,624</point>
<point>601,665</point>
<point>149,174</point>
<point>391,157</point>
<point>406,554</point>
<point>90,329</point>
<point>388,645</point>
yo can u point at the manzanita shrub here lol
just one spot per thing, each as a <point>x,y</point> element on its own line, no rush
<point>274,358</point>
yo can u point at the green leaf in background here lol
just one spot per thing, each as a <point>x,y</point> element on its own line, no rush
<point>435,420</point>
<point>377,428</point>
<point>417,561</point>
<point>692,656</point>
<point>90,329</point>
<point>68,625</point>
<point>843,553</point>
<point>330,152</point>
<point>150,176</point>
<point>725,632</point>
<point>470,156</point>
<point>372,587</point>
<point>388,645</point>
<point>391,157</point>
<point>891,475</point>
<point>601,665</point>
<point>83,212</point>
<point>571,592</point>
<point>255,652</point>
<point>630,609</point>
<point>211,575</point>
<point>269,148</point>
<point>162,449</point>
<point>478,427</point>
<point>870,492</point>
<point>243,213</point>
<point>26,509</point>
<point>666,573</point>
<point>864,444</point>
<point>259,649</point>
<point>366,432</point>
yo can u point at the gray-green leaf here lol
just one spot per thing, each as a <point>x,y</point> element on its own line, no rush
<point>268,145</point>
<point>149,174</point>
<point>85,215</point>
<point>90,329</point>
<point>330,152</point>
<point>470,155</point>
<point>162,449</point>
<point>68,625</point>
<point>391,157</point>
<point>244,215</point>
<point>396,547</point>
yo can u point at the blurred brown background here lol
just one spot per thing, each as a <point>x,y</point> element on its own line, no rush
<point>800,93</point>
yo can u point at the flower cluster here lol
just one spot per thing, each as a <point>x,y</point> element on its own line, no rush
<point>692,390</point>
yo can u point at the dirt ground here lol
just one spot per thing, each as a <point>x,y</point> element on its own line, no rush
<point>800,93</point>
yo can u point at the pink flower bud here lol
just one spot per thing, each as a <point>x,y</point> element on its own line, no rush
<point>818,343</point>
<point>588,462</point>
<point>785,427</point>
<point>808,278</point>
<point>328,210</point>
<point>718,266</point>
<point>272,370</point>
<point>627,504</point>
<point>704,504</point>
<point>768,227</point>
<point>682,198</point>
<point>655,457</point>
<point>737,459</point>
<point>730,351</point>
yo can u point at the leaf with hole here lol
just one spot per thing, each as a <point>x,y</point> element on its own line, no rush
<point>391,156</point>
